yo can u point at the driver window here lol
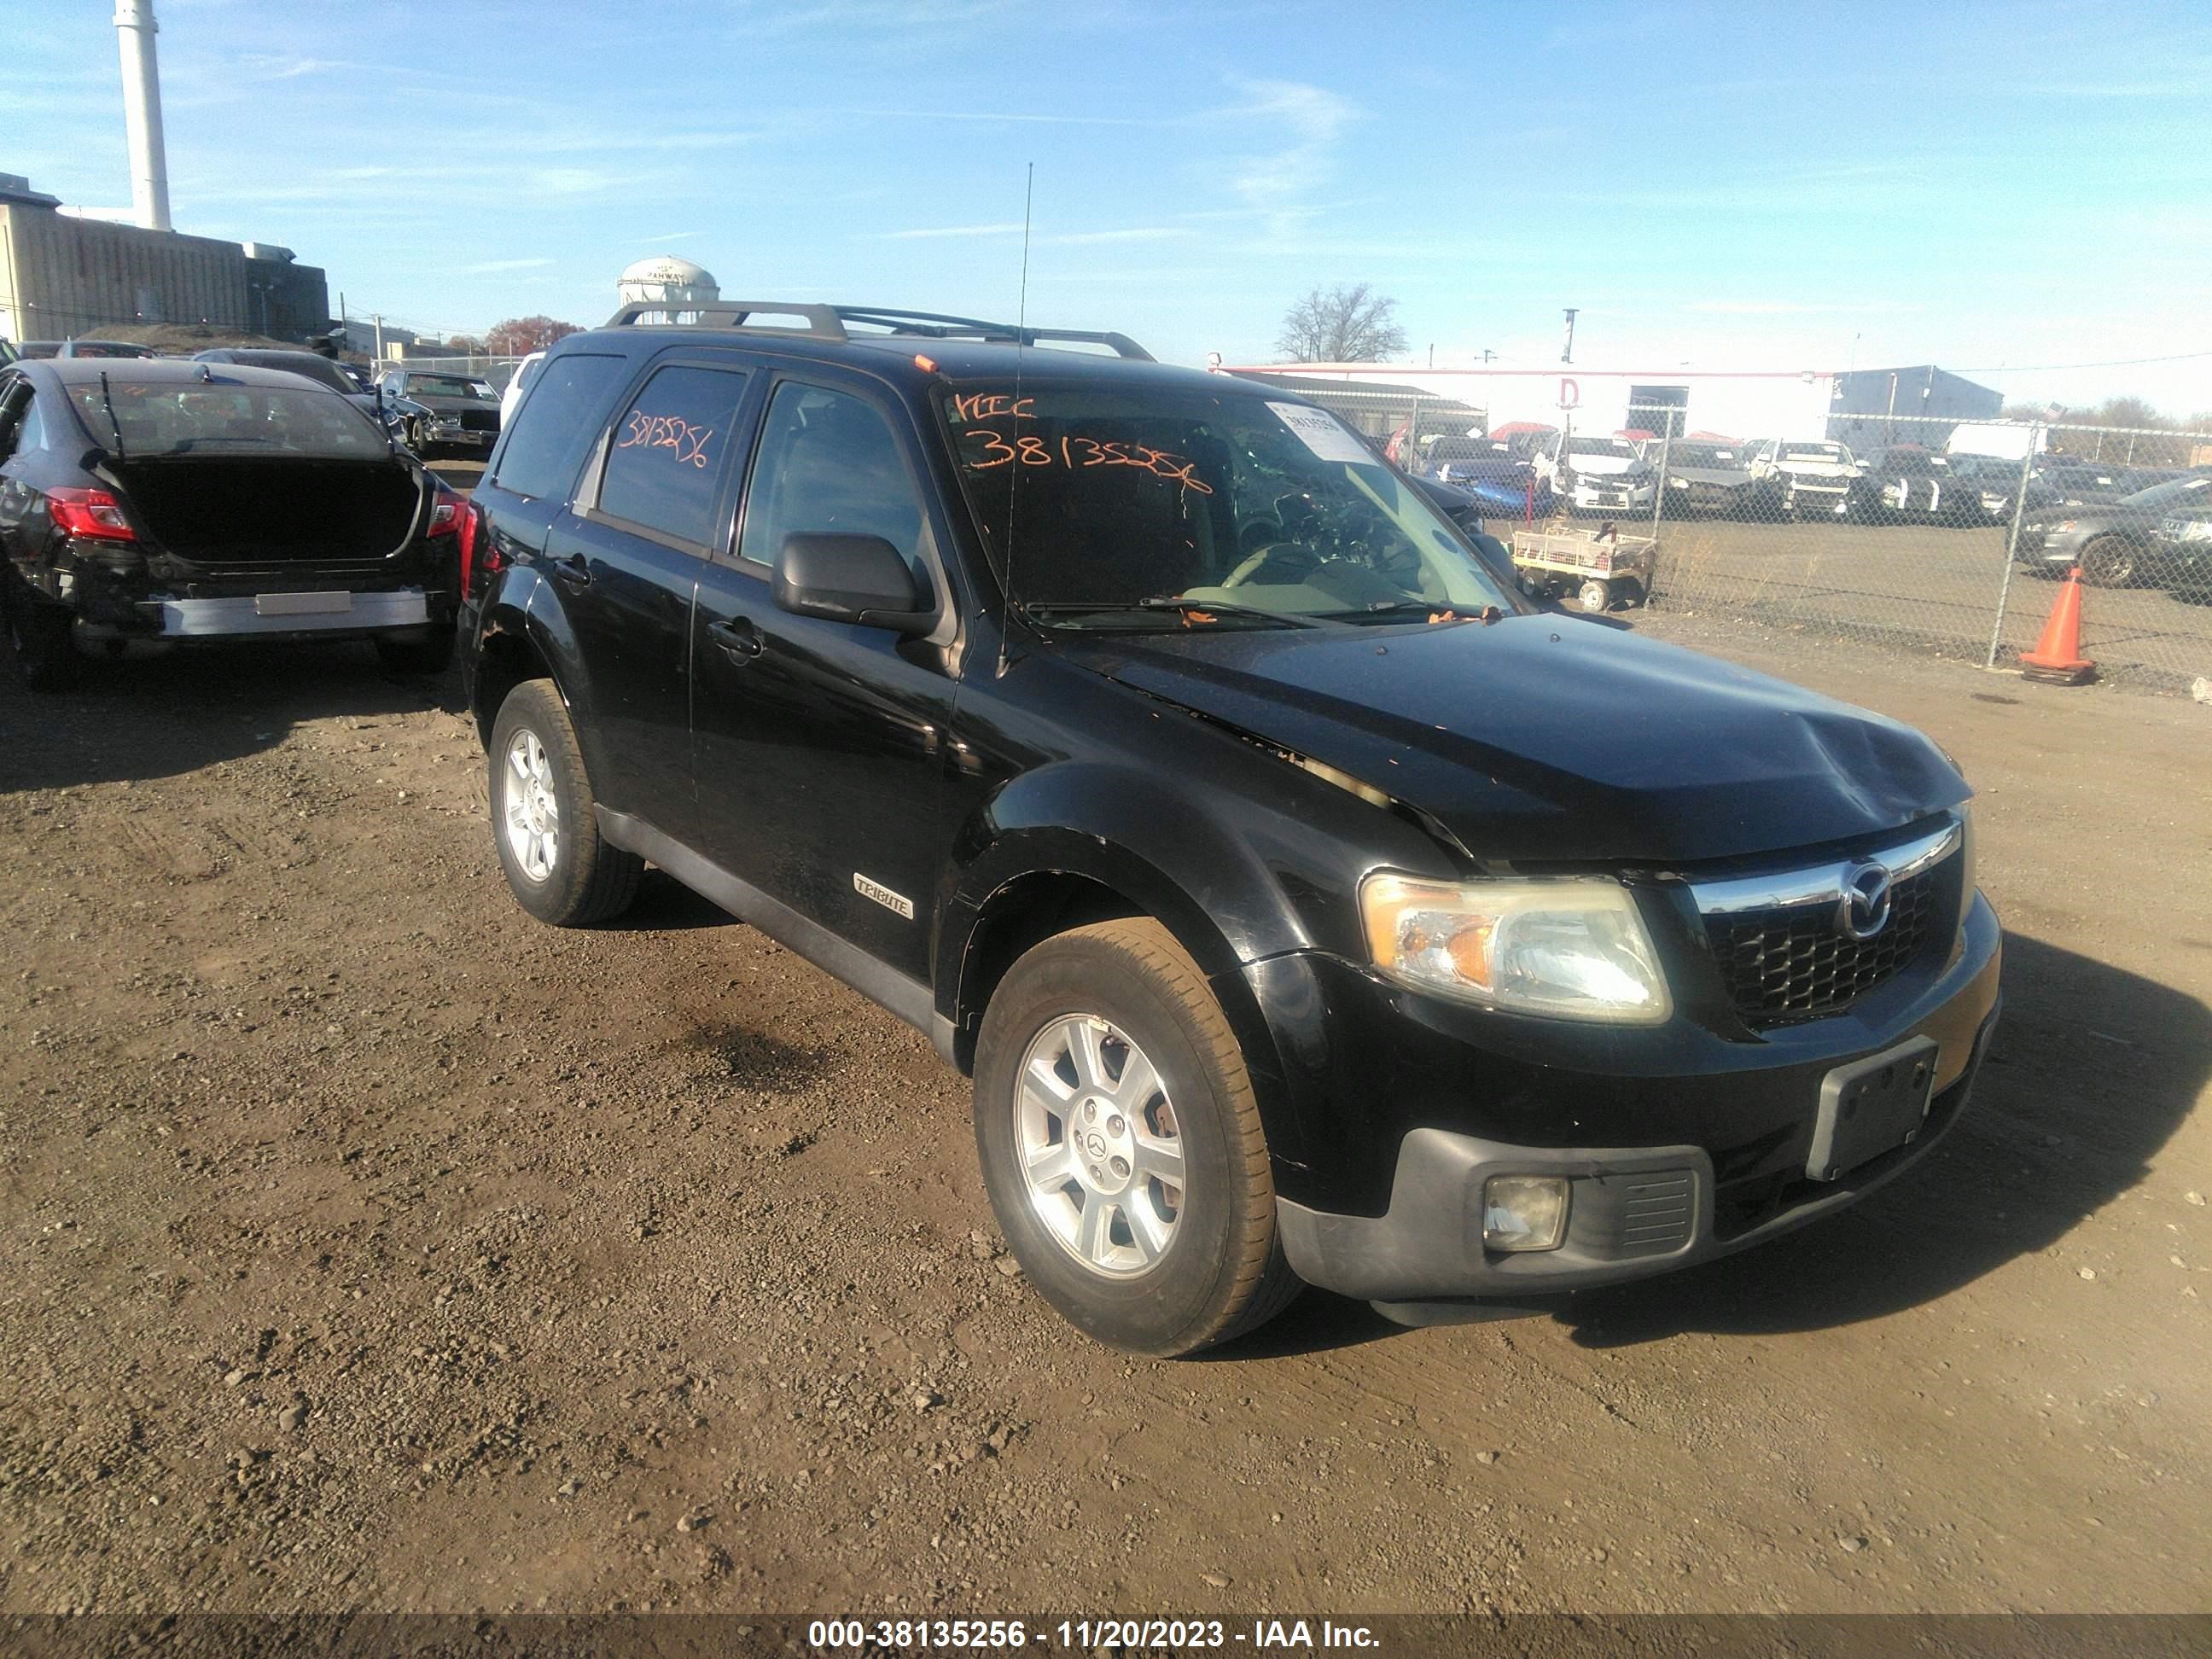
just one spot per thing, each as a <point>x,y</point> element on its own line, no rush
<point>828,462</point>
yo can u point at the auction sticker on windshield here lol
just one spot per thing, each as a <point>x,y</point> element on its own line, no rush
<point>1323,433</point>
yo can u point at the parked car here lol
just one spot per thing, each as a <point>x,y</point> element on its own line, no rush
<point>179,502</point>
<point>31,349</point>
<point>1996,482</point>
<point>1710,478</point>
<point>104,348</point>
<point>1506,487</point>
<point>2079,483</point>
<point>432,412</point>
<point>1306,904</point>
<point>1806,476</point>
<point>510,395</point>
<point>310,365</point>
<point>2184,547</point>
<point>1596,475</point>
<point>2115,544</point>
<point>1908,484</point>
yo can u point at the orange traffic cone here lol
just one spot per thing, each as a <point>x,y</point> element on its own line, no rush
<point>2058,658</point>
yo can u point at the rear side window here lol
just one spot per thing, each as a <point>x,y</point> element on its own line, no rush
<point>666,458</point>
<point>552,430</point>
<point>829,463</point>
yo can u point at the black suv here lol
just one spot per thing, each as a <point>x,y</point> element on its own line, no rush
<point>1307,905</point>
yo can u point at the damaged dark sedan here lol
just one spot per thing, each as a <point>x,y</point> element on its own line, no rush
<point>168,501</point>
<point>432,412</point>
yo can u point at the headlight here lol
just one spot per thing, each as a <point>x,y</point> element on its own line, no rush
<point>1678,483</point>
<point>1574,947</point>
<point>2196,530</point>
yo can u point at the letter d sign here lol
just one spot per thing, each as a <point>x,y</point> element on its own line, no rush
<point>1570,393</point>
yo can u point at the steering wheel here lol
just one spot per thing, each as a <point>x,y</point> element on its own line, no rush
<point>1291,555</point>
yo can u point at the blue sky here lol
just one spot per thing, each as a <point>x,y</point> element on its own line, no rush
<point>1786,186</point>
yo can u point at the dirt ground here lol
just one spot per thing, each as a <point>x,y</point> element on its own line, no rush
<point>364,1244</point>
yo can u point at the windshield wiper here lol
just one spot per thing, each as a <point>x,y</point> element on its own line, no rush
<point>1190,610</point>
<point>1384,609</point>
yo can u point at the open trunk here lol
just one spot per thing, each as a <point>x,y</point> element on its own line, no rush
<point>231,511</point>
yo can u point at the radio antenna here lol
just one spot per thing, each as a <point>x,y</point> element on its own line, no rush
<point>1021,356</point>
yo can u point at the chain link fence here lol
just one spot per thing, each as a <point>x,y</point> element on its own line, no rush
<point>1909,532</point>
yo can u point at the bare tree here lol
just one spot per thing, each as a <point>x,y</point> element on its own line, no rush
<point>519,336</point>
<point>1342,324</point>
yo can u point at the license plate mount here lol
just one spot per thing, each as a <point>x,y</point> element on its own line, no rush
<point>1871,1107</point>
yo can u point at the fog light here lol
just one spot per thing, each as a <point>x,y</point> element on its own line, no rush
<point>1524,1212</point>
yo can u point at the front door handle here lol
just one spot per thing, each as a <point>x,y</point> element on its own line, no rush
<point>574,571</point>
<point>737,639</point>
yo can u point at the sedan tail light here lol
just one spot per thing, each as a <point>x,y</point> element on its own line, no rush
<point>89,515</point>
<point>479,556</point>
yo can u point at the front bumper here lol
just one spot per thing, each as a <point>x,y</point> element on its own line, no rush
<point>461,437</point>
<point>1601,498</point>
<point>1632,1211</point>
<point>1683,1141</point>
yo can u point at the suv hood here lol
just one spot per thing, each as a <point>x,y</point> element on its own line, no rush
<point>1599,466</point>
<point>1544,739</point>
<point>1711,475</point>
<point>1819,468</point>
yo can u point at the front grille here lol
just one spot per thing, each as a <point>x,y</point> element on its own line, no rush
<point>1793,963</point>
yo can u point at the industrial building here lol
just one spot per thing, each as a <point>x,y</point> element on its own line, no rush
<point>1854,408</point>
<point>64,274</point>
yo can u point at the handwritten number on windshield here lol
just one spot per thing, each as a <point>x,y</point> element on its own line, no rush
<point>1080,453</point>
<point>671,432</point>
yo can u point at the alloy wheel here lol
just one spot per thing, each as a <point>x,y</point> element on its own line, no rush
<point>532,810</point>
<point>1101,1153</point>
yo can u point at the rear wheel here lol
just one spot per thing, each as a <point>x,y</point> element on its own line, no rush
<point>431,655</point>
<point>418,439</point>
<point>1122,1144</point>
<point>1594,595</point>
<point>2108,561</point>
<point>542,815</point>
<point>46,657</point>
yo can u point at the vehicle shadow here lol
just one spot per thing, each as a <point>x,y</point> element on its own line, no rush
<point>665,905</point>
<point>164,716</point>
<point>2090,1072</point>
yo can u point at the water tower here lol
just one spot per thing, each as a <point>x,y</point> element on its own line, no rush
<point>665,280</point>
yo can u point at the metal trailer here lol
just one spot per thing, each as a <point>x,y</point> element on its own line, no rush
<point>1601,568</point>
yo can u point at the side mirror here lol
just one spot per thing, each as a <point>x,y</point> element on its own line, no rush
<point>853,579</point>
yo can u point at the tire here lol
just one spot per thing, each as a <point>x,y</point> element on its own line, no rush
<point>1134,1260</point>
<point>2108,561</point>
<point>559,868</point>
<point>418,439</point>
<point>433,655</point>
<point>1594,595</point>
<point>46,658</point>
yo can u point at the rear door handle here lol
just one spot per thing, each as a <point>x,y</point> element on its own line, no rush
<point>574,571</point>
<point>737,639</point>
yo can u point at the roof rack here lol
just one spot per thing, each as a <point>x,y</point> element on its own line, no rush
<point>828,323</point>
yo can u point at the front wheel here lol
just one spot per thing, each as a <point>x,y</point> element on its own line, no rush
<point>1595,596</point>
<point>2108,561</point>
<point>1122,1144</point>
<point>543,819</point>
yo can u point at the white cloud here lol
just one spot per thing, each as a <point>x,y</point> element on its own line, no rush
<point>1140,234</point>
<point>1315,119</point>
<point>488,266</point>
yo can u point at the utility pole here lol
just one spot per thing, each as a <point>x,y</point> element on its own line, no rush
<point>1567,351</point>
<point>378,319</point>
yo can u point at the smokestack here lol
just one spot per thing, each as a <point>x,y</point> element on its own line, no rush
<point>141,114</point>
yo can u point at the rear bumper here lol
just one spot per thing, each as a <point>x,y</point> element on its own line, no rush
<point>1633,1211</point>
<point>282,614</point>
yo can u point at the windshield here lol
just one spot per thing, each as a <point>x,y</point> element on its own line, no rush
<point>174,417</point>
<point>1613,447</point>
<point>1812,452</point>
<point>1100,498</point>
<point>321,370</point>
<point>2166,494</point>
<point>1702,455</point>
<point>448,385</point>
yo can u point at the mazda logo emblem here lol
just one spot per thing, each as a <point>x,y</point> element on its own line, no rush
<point>1864,911</point>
